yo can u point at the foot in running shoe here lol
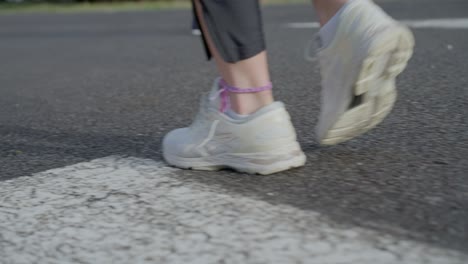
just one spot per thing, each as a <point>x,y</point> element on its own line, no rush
<point>358,70</point>
<point>263,142</point>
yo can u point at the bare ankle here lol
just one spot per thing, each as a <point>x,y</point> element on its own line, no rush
<point>248,103</point>
<point>326,9</point>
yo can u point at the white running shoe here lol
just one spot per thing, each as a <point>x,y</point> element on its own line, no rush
<point>358,71</point>
<point>263,143</point>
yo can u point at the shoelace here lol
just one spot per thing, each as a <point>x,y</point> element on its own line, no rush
<point>223,93</point>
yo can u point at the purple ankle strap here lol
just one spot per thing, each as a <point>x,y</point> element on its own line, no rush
<point>233,89</point>
<point>226,88</point>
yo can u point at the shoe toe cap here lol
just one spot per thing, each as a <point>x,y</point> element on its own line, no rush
<point>177,143</point>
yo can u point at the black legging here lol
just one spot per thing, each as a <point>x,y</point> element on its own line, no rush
<point>235,27</point>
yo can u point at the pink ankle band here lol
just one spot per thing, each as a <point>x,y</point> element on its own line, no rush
<point>226,88</point>
<point>233,89</point>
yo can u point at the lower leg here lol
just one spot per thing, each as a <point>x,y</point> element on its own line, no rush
<point>326,9</point>
<point>252,72</point>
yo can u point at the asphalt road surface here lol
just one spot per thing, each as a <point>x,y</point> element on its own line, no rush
<point>80,87</point>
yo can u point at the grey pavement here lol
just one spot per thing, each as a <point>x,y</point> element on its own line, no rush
<point>77,87</point>
<point>133,210</point>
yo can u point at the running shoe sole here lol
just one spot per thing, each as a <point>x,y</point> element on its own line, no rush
<point>374,91</point>
<point>275,161</point>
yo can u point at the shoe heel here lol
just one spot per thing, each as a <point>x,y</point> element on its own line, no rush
<point>402,54</point>
<point>387,58</point>
<point>375,87</point>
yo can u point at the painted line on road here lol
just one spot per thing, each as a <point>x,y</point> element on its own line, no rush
<point>130,210</point>
<point>446,23</point>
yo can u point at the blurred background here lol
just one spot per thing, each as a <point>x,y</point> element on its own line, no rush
<point>7,6</point>
<point>82,81</point>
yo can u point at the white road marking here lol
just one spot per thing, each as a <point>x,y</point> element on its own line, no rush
<point>301,25</point>
<point>130,210</point>
<point>444,23</point>
<point>454,23</point>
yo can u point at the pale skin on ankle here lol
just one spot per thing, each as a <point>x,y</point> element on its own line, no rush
<point>326,9</point>
<point>254,72</point>
<point>249,73</point>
